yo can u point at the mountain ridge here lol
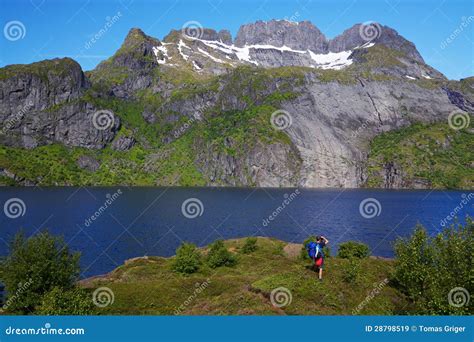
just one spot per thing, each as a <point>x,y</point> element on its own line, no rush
<point>210,112</point>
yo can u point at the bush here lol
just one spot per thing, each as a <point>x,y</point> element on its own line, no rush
<point>351,271</point>
<point>429,270</point>
<point>58,301</point>
<point>188,259</point>
<point>304,252</point>
<point>34,267</point>
<point>219,255</point>
<point>250,245</point>
<point>353,249</point>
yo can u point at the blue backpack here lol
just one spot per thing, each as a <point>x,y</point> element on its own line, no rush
<point>313,249</point>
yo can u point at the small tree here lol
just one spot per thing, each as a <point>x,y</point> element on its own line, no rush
<point>34,267</point>
<point>250,245</point>
<point>59,301</point>
<point>188,259</point>
<point>220,256</point>
<point>353,249</point>
<point>436,272</point>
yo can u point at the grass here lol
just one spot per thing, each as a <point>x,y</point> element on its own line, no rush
<point>149,286</point>
<point>434,153</point>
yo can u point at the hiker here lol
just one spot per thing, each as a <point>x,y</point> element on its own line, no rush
<point>315,252</point>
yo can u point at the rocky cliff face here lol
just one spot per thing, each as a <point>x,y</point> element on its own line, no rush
<point>41,104</point>
<point>202,106</point>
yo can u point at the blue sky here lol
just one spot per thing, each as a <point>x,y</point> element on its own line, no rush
<point>55,28</point>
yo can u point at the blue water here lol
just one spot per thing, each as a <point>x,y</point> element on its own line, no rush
<point>150,221</point>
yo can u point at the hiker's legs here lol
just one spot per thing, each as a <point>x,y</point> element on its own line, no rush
<point>320,273</point>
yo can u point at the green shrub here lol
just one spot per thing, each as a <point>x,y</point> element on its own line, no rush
<point>351,271</point>
<point>433,270</point>
<point>353,249</point>
<point>34,267</point>
<point>58,301</point>
<point>250,245</point>
<point>219,255</point>
<point>188,259</point>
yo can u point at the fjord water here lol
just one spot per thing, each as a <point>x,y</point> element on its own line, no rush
<point>150,221</point>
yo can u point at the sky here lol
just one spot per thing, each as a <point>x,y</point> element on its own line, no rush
<point>33,30</point>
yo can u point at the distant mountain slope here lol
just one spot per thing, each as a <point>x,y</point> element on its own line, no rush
<point>279,105</point>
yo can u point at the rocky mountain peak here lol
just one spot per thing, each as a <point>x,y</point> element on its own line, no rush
<point>296,35</point>
<point>361,34</point>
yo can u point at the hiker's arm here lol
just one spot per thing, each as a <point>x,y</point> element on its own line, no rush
<point>326,241</point>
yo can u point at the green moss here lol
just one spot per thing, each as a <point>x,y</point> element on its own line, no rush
<point>59,67</point>
<point>434,153</point>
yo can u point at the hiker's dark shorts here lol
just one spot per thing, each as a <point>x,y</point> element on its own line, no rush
<point>317,261</point>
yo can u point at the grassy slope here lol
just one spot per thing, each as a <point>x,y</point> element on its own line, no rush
<point>151,287</point>
<point>435,153</point>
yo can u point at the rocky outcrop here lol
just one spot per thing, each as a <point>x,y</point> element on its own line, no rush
<point>88,163</point>
<point>41,104</point>
<point>296,35</point>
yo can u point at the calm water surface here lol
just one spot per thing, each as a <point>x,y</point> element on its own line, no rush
<point>150,221</point>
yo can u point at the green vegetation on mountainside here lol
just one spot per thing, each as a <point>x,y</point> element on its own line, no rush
<point>434,153</point>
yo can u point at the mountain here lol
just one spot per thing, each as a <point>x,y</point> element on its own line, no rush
<point>278,105</point>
